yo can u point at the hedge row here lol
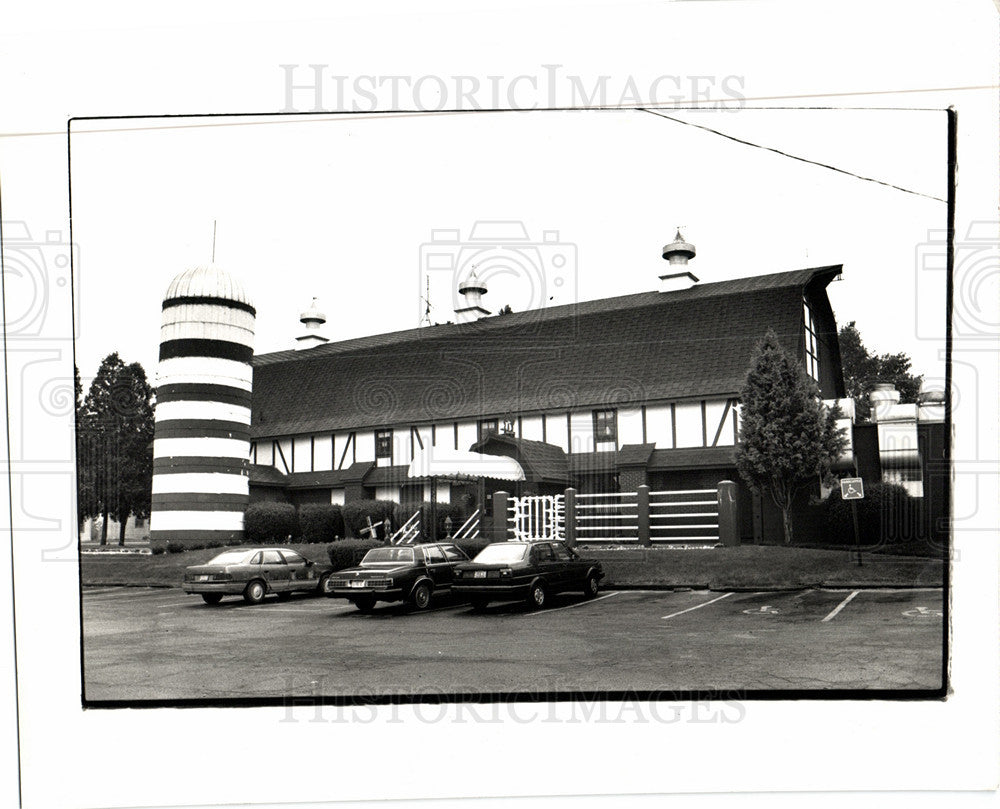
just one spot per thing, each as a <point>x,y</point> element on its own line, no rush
<point>349,552</point>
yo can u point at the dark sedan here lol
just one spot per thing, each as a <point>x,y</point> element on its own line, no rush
<point>253,573</point>
<point>511,571</point>
<point>412,573</point>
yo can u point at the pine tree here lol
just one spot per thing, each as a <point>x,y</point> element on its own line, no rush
<point>788,438</point>
<point>115,445</point>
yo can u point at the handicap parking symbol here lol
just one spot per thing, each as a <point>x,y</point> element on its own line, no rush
<point>765,610</point>
<point>923,612</point>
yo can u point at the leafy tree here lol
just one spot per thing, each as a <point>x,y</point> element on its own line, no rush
<point>115,445</point>
<point>788,438</point>
<point>862,370</point>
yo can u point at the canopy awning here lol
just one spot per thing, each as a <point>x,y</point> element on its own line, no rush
<point>456,464</point>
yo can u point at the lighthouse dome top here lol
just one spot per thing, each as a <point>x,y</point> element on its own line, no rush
<point>208,281</point>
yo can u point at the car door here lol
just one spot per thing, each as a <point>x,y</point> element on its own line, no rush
<point>275,571</point>
<point>438,568</point>
<point>545,563</point>
<point>299,571</point>
<point>567,568</point>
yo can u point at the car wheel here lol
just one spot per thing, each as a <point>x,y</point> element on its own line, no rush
<point>254,592</point>
<point>365,603</point>
<point>537,596</point>
<point>420,598</point>
<point>321,584</point>
<point>591,586</point>
<point>212,598</point>
<point>479,604</point>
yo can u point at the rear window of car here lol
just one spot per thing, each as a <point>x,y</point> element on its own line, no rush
<point>501,552</point>
<point>563,554</point>
<point>377,555</point>
<point>543,553</point>
<point>454,554</point>
<point>230,558</point>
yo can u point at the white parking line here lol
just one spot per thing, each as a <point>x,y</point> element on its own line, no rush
<point>570,606</point>
<point>697,606</point>
<point>840,606</point>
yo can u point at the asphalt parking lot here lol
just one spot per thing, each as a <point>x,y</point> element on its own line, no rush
<point>156,644</point>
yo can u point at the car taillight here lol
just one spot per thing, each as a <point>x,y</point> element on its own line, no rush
<point>458,574</point>
<point>223,577</point>
<point>506,572</point>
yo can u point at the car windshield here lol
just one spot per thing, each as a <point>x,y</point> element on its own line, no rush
<point>500,553</point>
<point>230,558</point>
<point>380,555</point>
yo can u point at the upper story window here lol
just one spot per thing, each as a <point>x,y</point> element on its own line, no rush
<point>812,344</point>
<point>605,426</point>
<point>383,444</point>
<point>488,427</point>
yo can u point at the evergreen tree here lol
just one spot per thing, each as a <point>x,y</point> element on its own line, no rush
<point>788,437</point>
<point>862,370</point>
<point>115,445</point>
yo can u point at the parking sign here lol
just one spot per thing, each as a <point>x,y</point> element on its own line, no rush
<point>852,489</point>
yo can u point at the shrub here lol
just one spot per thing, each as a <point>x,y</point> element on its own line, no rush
<point>356,515</point>
<point>176,547</point>
<point>886,514</point>
<point>269,522</point>
<point>320,522</point>
<point>348,552</point>
<point>157,548</point>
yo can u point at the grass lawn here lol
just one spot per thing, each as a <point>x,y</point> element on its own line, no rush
<point>765,566</point>
<point>750,566</point>
<point>164,569</point>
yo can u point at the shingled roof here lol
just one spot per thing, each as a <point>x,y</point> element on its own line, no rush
<point>635,348</point>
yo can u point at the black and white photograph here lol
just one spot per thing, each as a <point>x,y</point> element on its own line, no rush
<point>347,451</point>
<point>597,401</point>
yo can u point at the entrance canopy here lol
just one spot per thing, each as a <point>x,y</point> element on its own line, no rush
<point>456,464</point>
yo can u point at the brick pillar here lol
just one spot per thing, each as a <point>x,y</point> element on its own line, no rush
<point>729,525</point>
<point>570,517</point>
<point>645,539</point>
<point>500,502</point>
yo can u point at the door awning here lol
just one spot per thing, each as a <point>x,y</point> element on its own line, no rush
<point>456,464</point>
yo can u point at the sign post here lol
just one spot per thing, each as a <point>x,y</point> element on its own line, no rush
<point>853,489</point>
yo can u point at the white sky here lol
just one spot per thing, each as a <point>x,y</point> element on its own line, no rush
<point>339,208</point>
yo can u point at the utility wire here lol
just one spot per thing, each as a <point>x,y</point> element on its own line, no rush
<point>792,156</point>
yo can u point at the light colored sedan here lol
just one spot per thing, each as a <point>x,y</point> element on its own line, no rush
<point>253,573</point>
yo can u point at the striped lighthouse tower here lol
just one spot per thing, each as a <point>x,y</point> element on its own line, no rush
<point>201,446</point>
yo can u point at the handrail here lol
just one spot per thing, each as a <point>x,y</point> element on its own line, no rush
<point>470,528</point>
<point>408,531</point>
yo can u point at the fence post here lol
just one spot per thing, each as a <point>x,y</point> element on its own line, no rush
<point>642,496</point>
<point>569,515</point>
<point>500,516</point>
<point>729,526</point>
